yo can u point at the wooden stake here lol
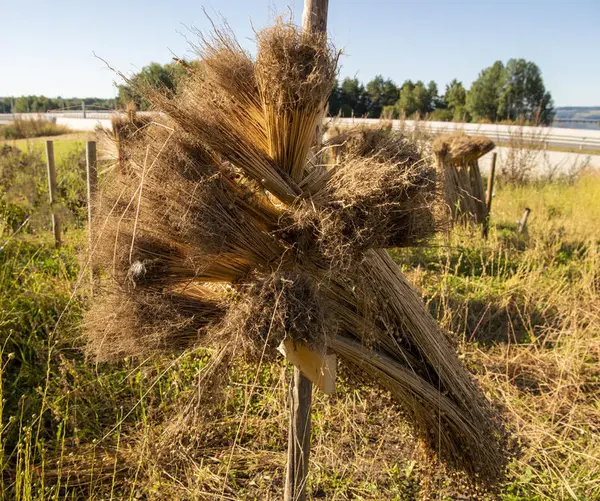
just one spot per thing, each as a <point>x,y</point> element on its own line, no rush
<point>488,199</point>
<point>298,437</point>
<point>92,186</point>
<point>477,195</point>
<point>314,19</point>
<point>52,191</point>
<point>523,221</point>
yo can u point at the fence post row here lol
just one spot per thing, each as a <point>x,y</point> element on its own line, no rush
<point>52,191</point>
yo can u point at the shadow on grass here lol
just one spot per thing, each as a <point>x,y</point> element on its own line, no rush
<point>489,322</point>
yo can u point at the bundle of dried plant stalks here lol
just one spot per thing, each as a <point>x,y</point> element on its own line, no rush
<point>457,156</point>
<point>113,144</point>
<point>219,232</point>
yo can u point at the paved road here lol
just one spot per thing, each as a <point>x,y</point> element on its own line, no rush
<point>543,163</point>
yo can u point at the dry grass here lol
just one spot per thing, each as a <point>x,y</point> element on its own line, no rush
<point>527,312</point>
<point>32,127</point>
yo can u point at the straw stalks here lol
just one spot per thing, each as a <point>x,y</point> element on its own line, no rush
<point>222,234</point>
<point>456,157</point>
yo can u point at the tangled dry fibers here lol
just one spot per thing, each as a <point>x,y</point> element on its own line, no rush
<point>222,231</point>
<point>113,144</point>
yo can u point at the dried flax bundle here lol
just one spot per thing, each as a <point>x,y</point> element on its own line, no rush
<point>294,72</point>
<point>366,141</point>
<point>456,156</point>
<point>221,233</point>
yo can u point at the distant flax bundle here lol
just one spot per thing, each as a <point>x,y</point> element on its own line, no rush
<point>224,231</point>
<point>457,158</point>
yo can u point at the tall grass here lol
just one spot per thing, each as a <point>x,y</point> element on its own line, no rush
<point>22,128</point>
<point>24,188</point>
<point>523,311</point>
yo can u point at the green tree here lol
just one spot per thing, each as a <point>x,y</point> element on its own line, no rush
<point>484,95</point>
<point>42,104</point>
<point>434,101</point>
<point>524,96</point>
<point>456,100</point>
<point>155,76</point>
<point>407,104</point>
<point>382,92</point>
<point>334,101</point>
<point>415,98</point>
<point>354,100</point>
<point>455,95</point>
<point>422,98</point>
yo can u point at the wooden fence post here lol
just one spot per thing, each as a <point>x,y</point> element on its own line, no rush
<point>92,185</point>
<point>314,19</point>
<point>490,192</point>
<point>52,191</point>
<point>298,438</point>
<point>523,221</point>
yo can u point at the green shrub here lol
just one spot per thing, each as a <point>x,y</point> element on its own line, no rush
<point>24,188</point>
<point>390,112</point>
<point>441,115</point>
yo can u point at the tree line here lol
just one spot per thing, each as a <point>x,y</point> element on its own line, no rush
<point>511,92</point>
<point>42,104</point>
<point>155,75</point>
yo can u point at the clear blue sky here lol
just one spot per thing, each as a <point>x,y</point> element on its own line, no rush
<point>46,46</point>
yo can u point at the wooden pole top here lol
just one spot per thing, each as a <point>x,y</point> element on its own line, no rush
<point>314,17</point>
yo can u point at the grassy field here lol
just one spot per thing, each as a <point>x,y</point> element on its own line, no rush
<point>64,144</point>
<point>523,311</point>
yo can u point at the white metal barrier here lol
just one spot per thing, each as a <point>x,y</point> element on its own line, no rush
<point>502,134</point>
